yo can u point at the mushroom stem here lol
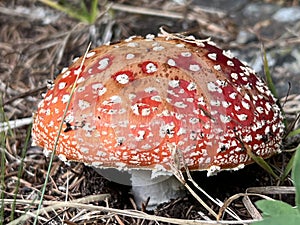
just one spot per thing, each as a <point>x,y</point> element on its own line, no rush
<point>160,189</point>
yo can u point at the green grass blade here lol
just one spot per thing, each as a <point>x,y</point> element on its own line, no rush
<point>94,11</point>
<point>268,75</point>
<point>82,13</point>
<point>2,147</point>
<point>3,136</point>
<point>294,133</point>
<point>20,171</point>
<point>296,177</point>
<point>261,162</point>
<point>288,168</point>
<point>57,138</point>
<point>270,83</point>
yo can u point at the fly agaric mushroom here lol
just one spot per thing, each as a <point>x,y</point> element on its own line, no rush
<point>136,98</point>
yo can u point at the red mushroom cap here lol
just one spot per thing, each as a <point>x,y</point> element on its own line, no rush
<point>136,98</point>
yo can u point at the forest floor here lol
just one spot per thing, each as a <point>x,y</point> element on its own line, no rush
<point>36,42</point>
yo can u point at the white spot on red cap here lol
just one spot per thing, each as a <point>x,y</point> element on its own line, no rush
<point>214,102</point>
<point>180,45</point>
<point>130,56</point>
<point>234,76</point>
<point>211,86</point>
<point>102,91</point>
<point>97,86</point>
<point>83,104</point>
<point>75,59</point>
<point>49,98</point>
<point>62,157</point>
<point>150,37</point>
<point>191,87</point>
<point>103,63</point>
<point>246,105</point>
<point>237,108</point>
<point>181,131</point>
<point>212,56</point>
<point>194,67</point>
<point>146,112</point>
<point>90,54</point>
<point>129,39</point>
<point>150,89</point>
<point>171,62</point>
<point>65,69</point>
<point>141,134</point>
<point>226,104</point>
<point>230,63</point>
<point>217,67</point>
<point>54,100</point>
<point>213,170</point>
<point>267,130</point>
<point>247,138</point>
<point>133,44</point>
<point>62,85</point>
<point>233,95</point>
<point>156,98</point>
<point>65,98</point>
<point>261,89</point>
<point>225,118</point>
<point>77,71</point>
<point>122,78</point>
<point>242,117</point>
<point>158,48</point>
<point>180,105</point>
<point>174,83</point>
<point>186,54</point>
<point>135,109</point>
<point>149,67</point>
<point>194,120</point>
<point>227,54</point>
<point>80,80</point>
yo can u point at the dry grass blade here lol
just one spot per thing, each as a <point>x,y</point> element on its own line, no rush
<point>219,203</point>
<point>291,104</point>
<point>251,208</point>
<point>129,213</point>
<point>146,11</point>
<point>178,174</point>
<point>204,17</point>
<point>236,196</point>
<point>161,13</point>
<point>271,190</point>
<point>13,124</point>
<point>178,160</point>
<point>51,205</point>
<point>176,165</point>
<point>58,134</point>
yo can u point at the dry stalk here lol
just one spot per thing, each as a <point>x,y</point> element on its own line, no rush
<point>251,208</point>
<point>54,205</point>
<point>236,196</point>
<point>272,190</point>
<point>178,161</point>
